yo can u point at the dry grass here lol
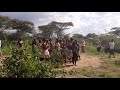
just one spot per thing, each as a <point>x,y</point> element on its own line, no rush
<point>108,68</point>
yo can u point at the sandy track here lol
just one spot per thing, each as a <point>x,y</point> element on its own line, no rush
<point>86,60</point>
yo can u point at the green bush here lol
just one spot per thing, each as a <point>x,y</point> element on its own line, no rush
<point>105,42</point>
<point>22,65</point>
<point>56,58</point>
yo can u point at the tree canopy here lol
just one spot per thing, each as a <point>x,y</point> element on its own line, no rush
<point>54,29</point>
<point>116,31</point>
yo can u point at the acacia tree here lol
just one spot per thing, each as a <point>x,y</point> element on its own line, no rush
<point>4,24</point>
<point>91,35</point>
<point>4,20</point>
<point>67,36</point>
<point>78,36</point>
<point>116,31</point>
<point>61,26</point>
<point>47,30</point>
<point>54,29</point>
<point>22,27</point>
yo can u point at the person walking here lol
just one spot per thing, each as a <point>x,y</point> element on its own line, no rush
<point>83,46</point>
<point>111,48</point>
<point>75,53</point>
<point>45,55</point>
<point>34,46</point>
<point>98,45</point>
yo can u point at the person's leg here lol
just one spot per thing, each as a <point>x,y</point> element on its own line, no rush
<point>113,53</point>
<point>110,53</point>
<point>73,60</point>
<point>82,49</point>
<point>97,50</point>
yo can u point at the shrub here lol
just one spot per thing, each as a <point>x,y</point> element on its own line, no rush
<point>22,65</point>
<point>56,58</point>
<point>105,42</point>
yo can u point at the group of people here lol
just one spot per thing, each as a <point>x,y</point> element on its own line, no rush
<point>111,45</point>
<point>69,49</point>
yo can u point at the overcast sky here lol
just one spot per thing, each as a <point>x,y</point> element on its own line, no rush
<point>84,22</point>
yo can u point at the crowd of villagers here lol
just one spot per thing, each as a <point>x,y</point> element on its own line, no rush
<point>69,49</point>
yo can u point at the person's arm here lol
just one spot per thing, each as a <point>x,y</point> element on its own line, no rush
<point>109,44</point>
<point>17,42</point>
<point>100,44</point>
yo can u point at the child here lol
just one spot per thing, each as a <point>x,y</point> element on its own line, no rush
<point>20,43</point>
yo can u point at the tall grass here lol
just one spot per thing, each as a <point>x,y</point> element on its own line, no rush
<point>92,50</point>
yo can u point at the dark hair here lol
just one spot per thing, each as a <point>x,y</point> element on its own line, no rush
<point>43,39</point>
<point>50,39</point>
<point>39,41</point>
<point>75,40</point>
<point>20,38</point>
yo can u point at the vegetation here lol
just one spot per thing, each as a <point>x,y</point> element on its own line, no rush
<point>108,69</point>
<point>22,63</point>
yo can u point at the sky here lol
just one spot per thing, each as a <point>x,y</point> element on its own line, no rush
<point>84,22</point>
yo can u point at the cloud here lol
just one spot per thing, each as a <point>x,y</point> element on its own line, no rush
<point>84,22</point>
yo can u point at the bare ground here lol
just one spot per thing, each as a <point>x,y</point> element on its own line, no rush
<point>86,60</point>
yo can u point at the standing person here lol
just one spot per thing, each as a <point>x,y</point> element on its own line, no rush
<point>20,43</point>
<point>51,46</point>
<point>83,46</point>
<point>112,48</point>
<point>78,50</point>
<point>98,45</point>
<point>39,43</point>
<point>64,51</point>
<point>58,46</point>
<point>75,53</point>
<point>0,48</point>
<point>69,50</point>
<point>45,55</point>
<point>34,46</point>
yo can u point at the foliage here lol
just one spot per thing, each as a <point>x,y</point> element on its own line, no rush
<point>56,58</point>
<point>91,35</point>
<point>4,21</point>
<point>105,42</point>
<point>22,65</point>
<point>54,28</point>
<point>116,31</point>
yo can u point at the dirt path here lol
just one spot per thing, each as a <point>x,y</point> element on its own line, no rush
<point>86,60</point>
